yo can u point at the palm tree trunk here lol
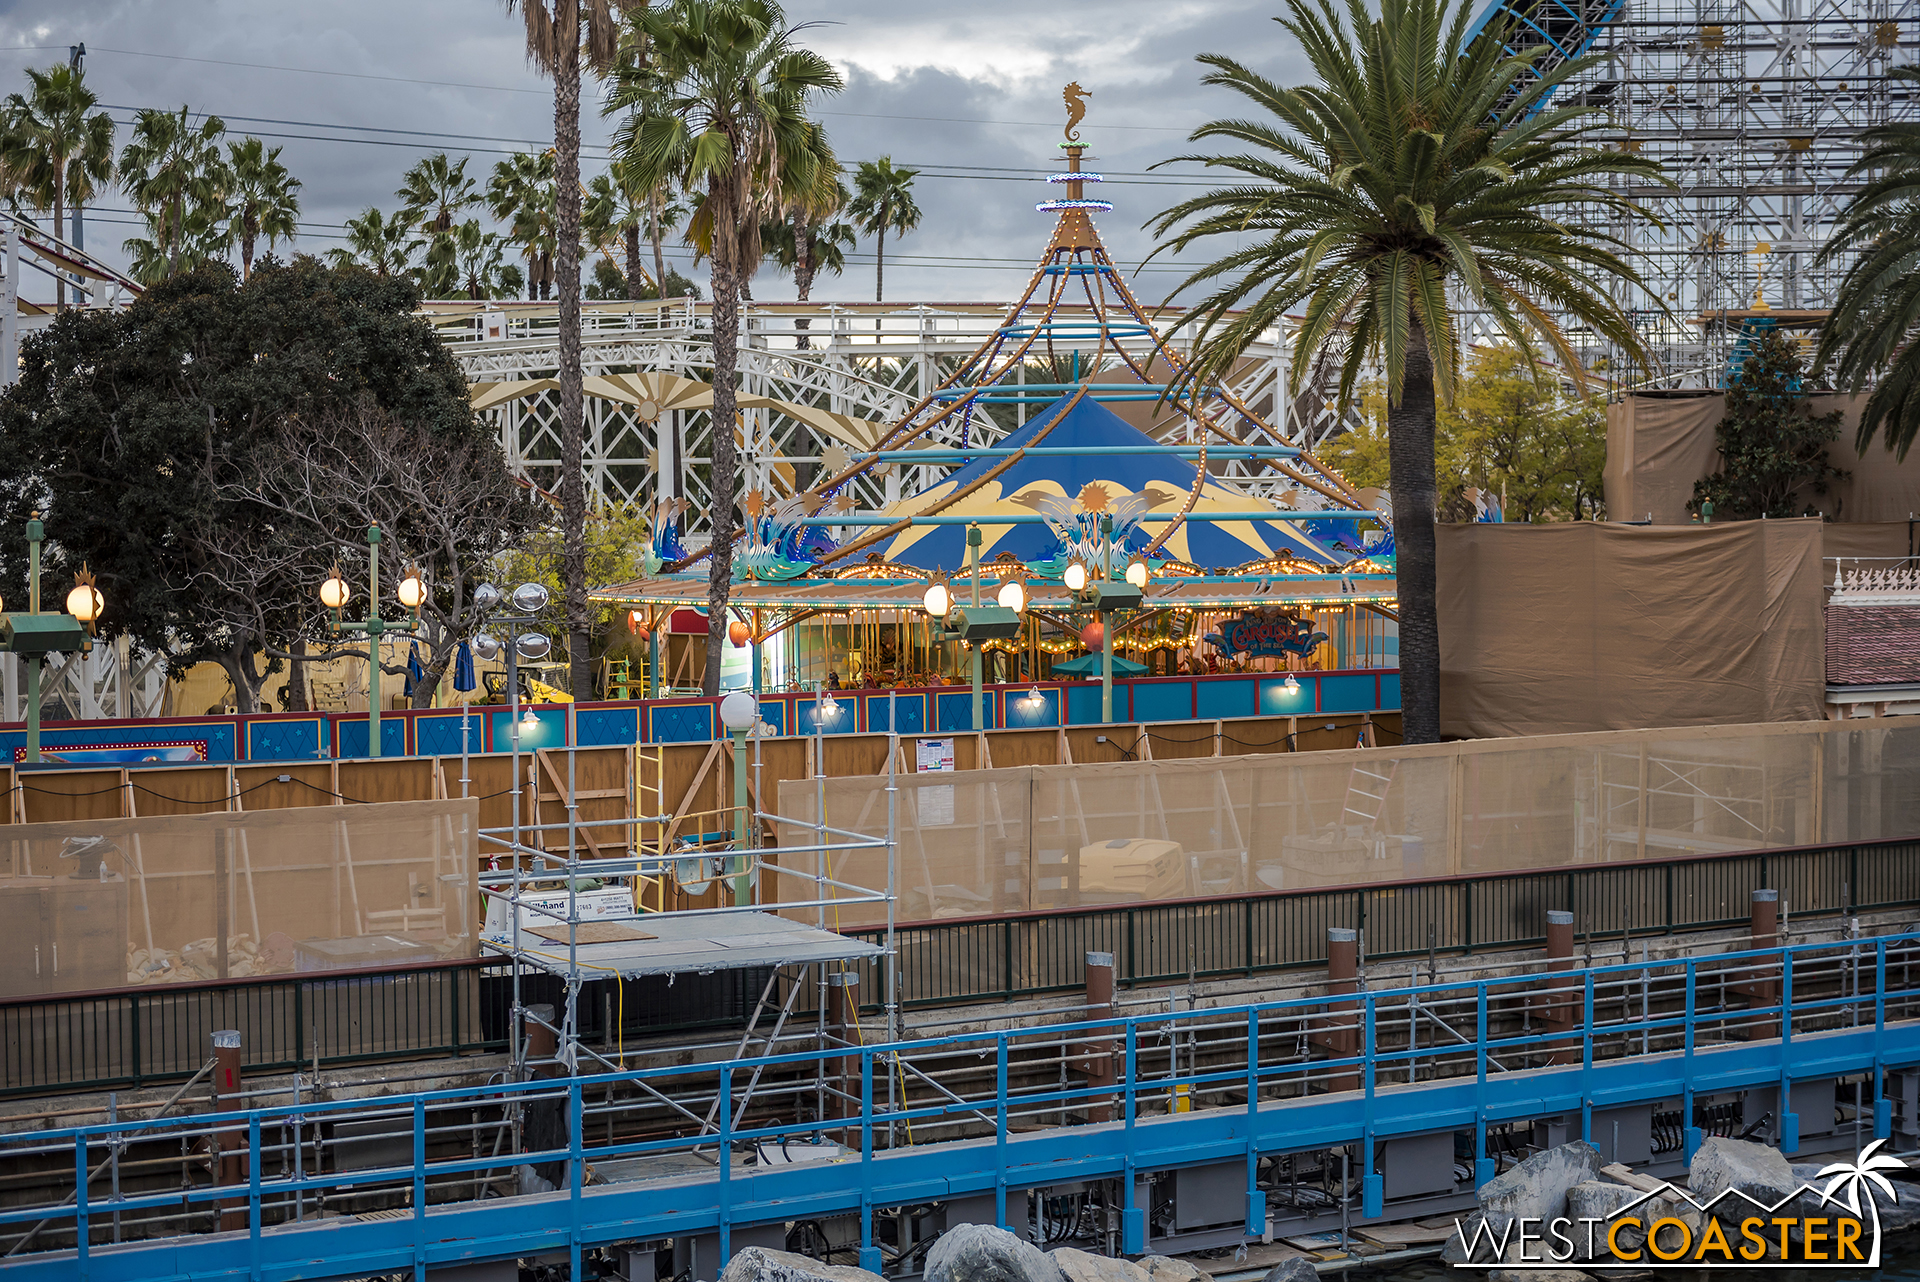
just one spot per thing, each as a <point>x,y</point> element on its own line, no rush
<point>246,256</point>
<point>653,230</point>
<point>803,277</point>
<point>573,493</point>
<point>1410,432</point>
<point>635,290</point>
<point>725,472</point>
<point>880,261</point>
<point>59,232</point>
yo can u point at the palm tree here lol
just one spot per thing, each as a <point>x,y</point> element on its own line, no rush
<point>57,148</point>
<point>802,239</point>
<point>883,202</point>
<point>261,200</point>
<point>723,111</point>
<point>1420,174</point>
<point>617,207</point>
<point>1867,337</point>
<point>437,186</point>
<point>377,243</point>
<point>520,194</point>
<point>478,254</point>
<point>173,170</point>
<point>557,31</point>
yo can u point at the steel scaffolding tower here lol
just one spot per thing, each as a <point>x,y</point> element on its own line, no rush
<point>1752,106</point>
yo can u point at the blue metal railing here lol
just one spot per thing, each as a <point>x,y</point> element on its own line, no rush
<point>1808,1011</point>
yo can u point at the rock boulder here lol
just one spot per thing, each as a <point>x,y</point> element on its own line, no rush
<point>1759,1174</point>
<point>983,1253</point>
<point>1899,1213</point>
<point>1538,1187</point>
<point>1297,1269</point>
<point>757,1264</point>
<point>1084,1266</point>
<point>1164,1268</point>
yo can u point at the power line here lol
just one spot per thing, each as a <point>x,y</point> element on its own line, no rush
<point>314,71</point>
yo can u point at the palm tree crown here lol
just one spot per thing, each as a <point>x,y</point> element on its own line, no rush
<point>716,92</point>
<point>1419,176</point>
<point>520,194</point>
<point>380,244</point>
<point>262,198</point>
<point>56,147</point>
<point>174,171</point>
<point>883,202</point>
<point>1877,308</point>
<point>436,186</point>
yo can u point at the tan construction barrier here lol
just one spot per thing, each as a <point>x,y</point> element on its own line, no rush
<point>990,842</point>
<point>104,903</point>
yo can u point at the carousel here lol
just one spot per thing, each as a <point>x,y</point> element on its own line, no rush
<point>1099,538</point>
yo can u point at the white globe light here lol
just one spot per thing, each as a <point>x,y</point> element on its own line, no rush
<point>1076,576</point>
<point>84,603</point>
<point>1137,572</point>
<point>533,645</point>
<point>938,600</point>
<point>1013,595</point>
<point>486,646</point>
<point>738,711</point>
<point>531,598</point>
<point>412,591</point>
<point>334,592</point>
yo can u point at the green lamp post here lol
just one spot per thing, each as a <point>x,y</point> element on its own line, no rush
<point>334,594</point>
<point>739,713</point>
<point>33,634</point>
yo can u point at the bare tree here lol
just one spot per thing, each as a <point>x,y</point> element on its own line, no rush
<point>444,504</point>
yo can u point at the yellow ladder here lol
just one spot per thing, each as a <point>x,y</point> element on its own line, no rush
<point>649,839</point>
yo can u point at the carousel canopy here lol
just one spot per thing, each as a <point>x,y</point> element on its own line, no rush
<point>1095,432</point>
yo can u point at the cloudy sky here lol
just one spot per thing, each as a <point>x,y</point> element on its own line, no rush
<point>966,90</point>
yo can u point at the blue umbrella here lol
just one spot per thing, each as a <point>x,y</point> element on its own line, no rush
<point>463,669</point>
<point>415,673</point>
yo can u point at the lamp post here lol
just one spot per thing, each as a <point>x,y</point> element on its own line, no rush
<point>334,594</point>
<point>973,568</point>
<point>33,634</point>
<point>739,712</point>
<point>1106,626</point>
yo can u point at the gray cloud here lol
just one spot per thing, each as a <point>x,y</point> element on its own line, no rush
<point>962,89</point>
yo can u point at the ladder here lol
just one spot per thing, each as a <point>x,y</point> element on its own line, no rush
<point>1367,791</point>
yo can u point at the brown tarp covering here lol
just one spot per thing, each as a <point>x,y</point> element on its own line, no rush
<point>1550,629</point>
<point>1660,443</point>
<point>979,843</point>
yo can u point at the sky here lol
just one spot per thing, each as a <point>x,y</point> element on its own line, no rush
<point>968,92</point>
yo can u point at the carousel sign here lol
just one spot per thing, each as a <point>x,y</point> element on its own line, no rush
<point>1257,634</point>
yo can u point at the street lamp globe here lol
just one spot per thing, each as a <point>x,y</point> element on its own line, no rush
<point>1138,572</point>
<point>738,711</point>
<point>85,602</point>
<point>531,598</point>
<point>1013,595</point>
<point>334,592</point>
<point>938,599</point>
<point>1076,576</point>
<point>412,591</point>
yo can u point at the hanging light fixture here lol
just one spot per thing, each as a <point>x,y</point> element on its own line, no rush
<point>1290,685</point>
<point>528,719</point>
<point>1034,699</point>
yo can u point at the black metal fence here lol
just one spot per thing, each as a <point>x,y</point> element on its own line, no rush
<point>1034,954</point>
<point>143,1036</point>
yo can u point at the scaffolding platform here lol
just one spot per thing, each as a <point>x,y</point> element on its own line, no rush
<point>677,944</point>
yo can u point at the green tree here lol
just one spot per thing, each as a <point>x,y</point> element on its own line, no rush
<point>433,195</point>
<point>176,175</point>
<point>380,244</point>
<point>1771,446</point>
<point>262,198</point>
<point>722,108</point>
<point>1510,431</point>
<point>617,209</point>
<point>127,428</point>
<point>558,31</point>
<point>804,238</point>
<point>520,194</point>
<point>883,202</point>
<point>1410,175</point>
<point>57,148</point>
<point>1867,341</point>
<point>477,255</point>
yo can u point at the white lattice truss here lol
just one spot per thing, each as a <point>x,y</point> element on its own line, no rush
<point>867,362</point>
<point>109,682</point>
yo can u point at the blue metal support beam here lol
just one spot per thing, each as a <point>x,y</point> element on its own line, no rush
<point>1853,1032</point>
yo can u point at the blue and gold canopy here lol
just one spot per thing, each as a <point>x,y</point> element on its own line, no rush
<point>1164,481</point>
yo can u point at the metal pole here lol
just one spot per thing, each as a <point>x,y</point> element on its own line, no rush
<point>10,311</point>
<point>373,640</point>
<point>35,533</point>
<point>742,894</point>
<point>1106,623</point>
<point>973,559</point>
